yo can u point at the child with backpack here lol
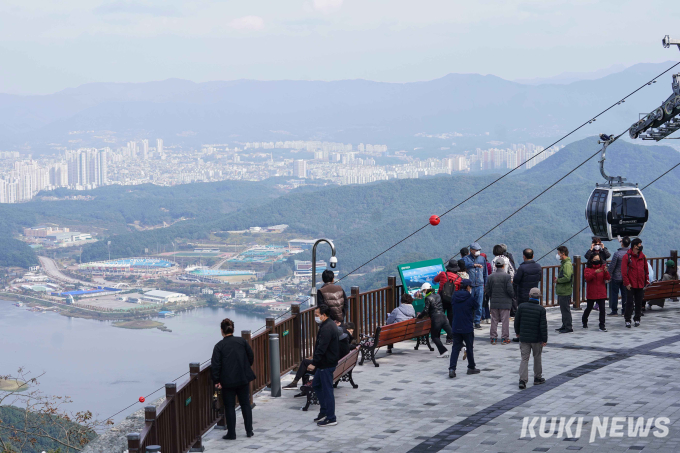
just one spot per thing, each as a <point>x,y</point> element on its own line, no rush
<point>449,282</point>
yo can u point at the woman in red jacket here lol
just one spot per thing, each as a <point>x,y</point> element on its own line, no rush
<point>597,277</point>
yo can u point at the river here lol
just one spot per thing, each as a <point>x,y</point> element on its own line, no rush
<point>104,368</point>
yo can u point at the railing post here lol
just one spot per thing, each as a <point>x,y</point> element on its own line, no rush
<point>170,392</point>
<point>577,282</point>
<point>245,334</point>
<point>153,449</point>
<point>150,421</point>
<point>270,323</point>
<point>297,331</point>
<point>133,443</point>
<point>392,299</point>
<point>356,312</point>
<point>674,257</point>
<point>194,370</point>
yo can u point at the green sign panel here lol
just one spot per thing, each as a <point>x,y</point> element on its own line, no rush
<point>285,332</point>
<point>186,403</point>
<point>413,275</point>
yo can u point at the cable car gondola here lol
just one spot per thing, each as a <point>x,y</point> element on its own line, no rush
<point>615,208</point>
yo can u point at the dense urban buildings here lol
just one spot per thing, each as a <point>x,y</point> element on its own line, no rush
<point>338,163</point>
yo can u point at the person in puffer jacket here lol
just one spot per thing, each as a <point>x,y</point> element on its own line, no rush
<point>404,311</point>
<point>333,296</point>
<point>597,278</point>
<point>531,327</point>
<point>433,308</point>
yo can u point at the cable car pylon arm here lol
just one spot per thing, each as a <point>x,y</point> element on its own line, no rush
<point>606,140</point>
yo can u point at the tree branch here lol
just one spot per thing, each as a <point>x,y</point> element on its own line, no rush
<point>11,428</point>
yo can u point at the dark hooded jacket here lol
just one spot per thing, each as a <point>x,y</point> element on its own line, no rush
<point>531,323</point>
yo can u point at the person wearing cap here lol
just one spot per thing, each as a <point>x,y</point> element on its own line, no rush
<point>449,282</point>
<point>500,293</point>
<point>464,308</point>
<point>531,327</point>
<point>475,264</point>
<point>433,308</point>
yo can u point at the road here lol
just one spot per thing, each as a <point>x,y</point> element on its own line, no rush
<point>52,270</point>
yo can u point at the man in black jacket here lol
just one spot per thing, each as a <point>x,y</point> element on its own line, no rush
<point>531,327</point>
<point>528,275</point>
<point>434,309</point>
<point>324,361</point>
<point>231,361</point>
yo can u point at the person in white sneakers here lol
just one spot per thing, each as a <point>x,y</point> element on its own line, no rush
<point>434,309</point>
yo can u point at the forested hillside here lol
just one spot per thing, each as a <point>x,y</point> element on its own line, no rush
<point>364,220</point>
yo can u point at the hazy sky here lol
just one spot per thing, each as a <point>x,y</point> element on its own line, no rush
<point>48,45</point>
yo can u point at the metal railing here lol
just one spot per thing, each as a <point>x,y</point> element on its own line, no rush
<point>188,413</point>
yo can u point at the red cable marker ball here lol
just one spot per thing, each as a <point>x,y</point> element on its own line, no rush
<point>141,399</point>
<point>434,220</point>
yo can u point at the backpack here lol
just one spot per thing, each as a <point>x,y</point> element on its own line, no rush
<point>448,289</point>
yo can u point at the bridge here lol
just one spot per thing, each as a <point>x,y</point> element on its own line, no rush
<point>409,404</point>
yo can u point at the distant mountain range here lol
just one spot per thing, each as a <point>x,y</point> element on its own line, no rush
<point>471,108</point>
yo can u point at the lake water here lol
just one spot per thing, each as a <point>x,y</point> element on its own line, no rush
<point>105,368</point>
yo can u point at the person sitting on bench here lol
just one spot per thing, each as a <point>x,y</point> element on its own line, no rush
<point>346,332</point>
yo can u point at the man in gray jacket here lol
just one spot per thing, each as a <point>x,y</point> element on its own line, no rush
<point>616,283</point>
<point>500,292</point>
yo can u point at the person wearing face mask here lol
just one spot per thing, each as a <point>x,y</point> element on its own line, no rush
<point>599,248</point>
<point>635,273</point>
<point>434,309</point>
<point>325,359</point>
<point>564,287</point>
<point>475,264</point>
<point>616,283</point>
<point>597,277</point>
<point>464,307</point>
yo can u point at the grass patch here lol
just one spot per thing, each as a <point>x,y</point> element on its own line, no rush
<point>12,385</point>
<point>139,324</point>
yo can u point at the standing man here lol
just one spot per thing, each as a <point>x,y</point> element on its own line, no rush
<point>564,287</point>
<point>464,308</point>
<point>324,361</point>
<point>475,264</point>
<point>500,292</point>
<point>616,283</point>
<point>528,275</point>
<point>333,296</point>
<point>531,327</point>
<point>635,275</point>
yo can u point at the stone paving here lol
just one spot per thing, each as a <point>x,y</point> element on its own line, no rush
<point>409,404</point>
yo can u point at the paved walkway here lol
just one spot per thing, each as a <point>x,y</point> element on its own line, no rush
<point>409,404</point>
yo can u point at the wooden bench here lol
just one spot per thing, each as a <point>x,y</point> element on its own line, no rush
<point>343,372</point>
<point>657,292</point>
<point>394,333</point>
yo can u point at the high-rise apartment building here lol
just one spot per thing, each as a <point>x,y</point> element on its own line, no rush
<point>300,169</point>
<point>159,146</point>
<point>145,149</point>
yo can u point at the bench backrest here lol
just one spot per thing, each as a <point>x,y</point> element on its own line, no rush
<point>400,331</point>
<point>663,290</point>
<point>346,364</point>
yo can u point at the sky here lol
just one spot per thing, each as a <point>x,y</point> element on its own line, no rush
<point>47,45</point>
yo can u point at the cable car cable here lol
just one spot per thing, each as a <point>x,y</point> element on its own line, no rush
<point>541,193</point>
<point>588,226</point>
<point>518,166</point>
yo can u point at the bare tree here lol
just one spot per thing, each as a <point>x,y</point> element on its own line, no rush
<point>28,418</point>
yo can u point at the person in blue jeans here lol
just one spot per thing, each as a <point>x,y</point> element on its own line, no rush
<point>616,283</point>
<point>475,264</point>
<point>325,359</point>
<point>464,307</point>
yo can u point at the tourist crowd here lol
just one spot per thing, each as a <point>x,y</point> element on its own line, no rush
<point>471,291</point>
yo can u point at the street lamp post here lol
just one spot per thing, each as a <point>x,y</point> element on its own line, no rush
<point>333,262</point>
